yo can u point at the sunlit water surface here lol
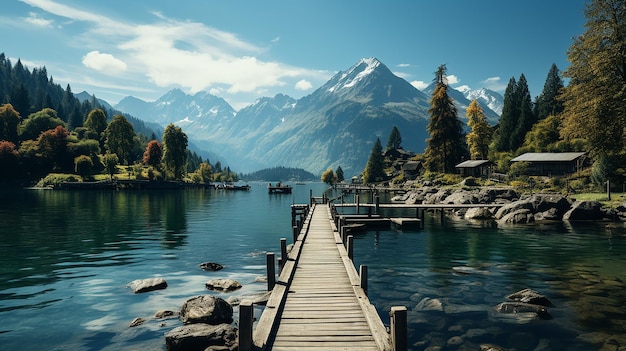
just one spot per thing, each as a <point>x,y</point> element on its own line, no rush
<point>66,259</point>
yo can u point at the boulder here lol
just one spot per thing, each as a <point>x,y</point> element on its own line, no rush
<point>137,321</point>
<point>428,304</point>
<point>224,285</point>
<point>435,198</point>
<point>520,216</point>
<point>531,297</point>
<point>201,337</point>
<point>257,299</point>
<point>478,213</point>
<point>584,211</point>
<point>460,197</point>
<point>145,285</point>
<point>165,314</point>
<point>211,266</point>
<point>206,309</point>
<point>547,202</point>
<point>514,207</point>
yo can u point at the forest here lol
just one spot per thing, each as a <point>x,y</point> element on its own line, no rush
<point>47,136</point>
<point>586,115</point>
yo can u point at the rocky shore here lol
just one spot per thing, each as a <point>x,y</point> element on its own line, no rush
<point>513,208</point>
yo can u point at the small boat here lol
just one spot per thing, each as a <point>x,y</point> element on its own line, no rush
<point>279,188</point>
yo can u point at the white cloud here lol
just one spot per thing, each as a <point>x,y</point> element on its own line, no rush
<point>404,65</point>
<point>420,85</point>
<point>173,53</point>
<point>304,84</point>
<point>494,83</point>
<point>34,18</point>
<point>103,62</point>
<point>276,40</point>
<point>452,79</point>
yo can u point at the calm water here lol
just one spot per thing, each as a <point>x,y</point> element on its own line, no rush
<point>66,258</point>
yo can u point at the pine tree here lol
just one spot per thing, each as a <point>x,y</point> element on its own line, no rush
<point>394,139</point>
<point>547,103</point>
<point>339,174</point>
<point>525,118</point>
<point>375,168</point>
<point>174,151</point>
<point>594,99</point>
<point>479,137</point>
<point>446,145</point>
<point>507,123</point>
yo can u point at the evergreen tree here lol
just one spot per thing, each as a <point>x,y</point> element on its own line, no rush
<point>339,174</point>
<point>593,101</point>
<point>174,151</point>
<point>479,137</point>
<point>9,121</point>
<point>375,168</point>
<point>446,145</point>
<point>394,139</point>
<point>96,121</point>
<point>525,118</point>
<point>508,119</point>
<point>547,103</point>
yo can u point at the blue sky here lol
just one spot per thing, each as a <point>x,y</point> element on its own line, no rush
<point>243,50</point>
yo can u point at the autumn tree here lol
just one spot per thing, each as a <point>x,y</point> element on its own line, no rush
<point>446,145</point>
<point>119,138</point>
<point>9,121</point>
<point>153,154</point>
<point>174,151</point>
<point>394,139</point>
<point>9,160</point>
<point>329,177</point>
<point>52,145</point>
<point>375,168</point>
<point>479,137</point>
<point>594,100</point>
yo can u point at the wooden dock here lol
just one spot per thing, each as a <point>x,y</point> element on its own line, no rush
<point>318,302</point>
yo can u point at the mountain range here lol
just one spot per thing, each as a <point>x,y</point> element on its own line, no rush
<point>336,125</point>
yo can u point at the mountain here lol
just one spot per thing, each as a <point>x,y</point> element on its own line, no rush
<point>490,98</point>
<point>462,102</point>
<point>336,125</point>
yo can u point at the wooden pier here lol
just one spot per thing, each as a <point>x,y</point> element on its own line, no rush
<point>319,301</point>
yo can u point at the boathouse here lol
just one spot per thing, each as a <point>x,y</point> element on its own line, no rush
<point>475,168</point>
<point>552,163</point>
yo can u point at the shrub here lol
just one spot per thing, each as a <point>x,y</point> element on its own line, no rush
<point>53,179</point>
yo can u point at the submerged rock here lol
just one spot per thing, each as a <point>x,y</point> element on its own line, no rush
<point>201,337</point>
<point>224,285</point>
<point>206,309</point>
<point>531,297</point>
<point>146,285</point>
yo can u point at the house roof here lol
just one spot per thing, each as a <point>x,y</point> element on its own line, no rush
<point>548,156</point>
<point>412,166</point>
<point>472,163</point>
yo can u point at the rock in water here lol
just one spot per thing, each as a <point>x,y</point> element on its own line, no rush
<point>206,309</point>
<point>211,266</point>
<point>201,337</point>
<point>145,285</point>
<point>224,285</point>
<point>531,297</point>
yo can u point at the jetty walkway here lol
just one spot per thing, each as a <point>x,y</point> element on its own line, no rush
<point>319,301</point>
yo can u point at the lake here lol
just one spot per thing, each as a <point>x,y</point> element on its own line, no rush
<point>66,259</point>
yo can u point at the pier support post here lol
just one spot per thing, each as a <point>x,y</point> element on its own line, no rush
<point>283,254</point>
<point>351,247</point>
<point>246,320</point>
<point>311,197</point>
<point>294,229</point>
<point>398,319</point>
<point>358,205</point>
<point>363,276</point>
<point>271,271</point>
<point>377,202</point>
